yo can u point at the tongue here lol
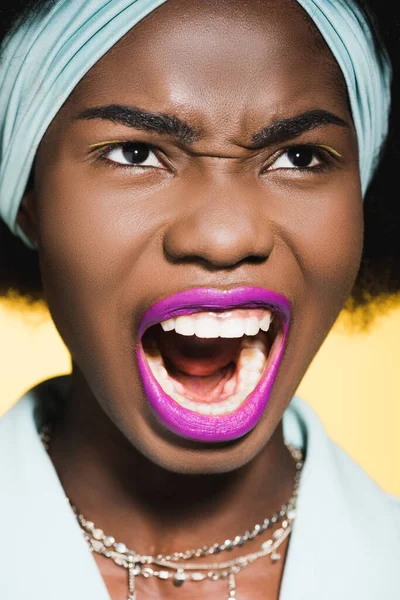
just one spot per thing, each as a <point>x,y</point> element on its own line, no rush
<point>208,388</point>
<point>198,357</point>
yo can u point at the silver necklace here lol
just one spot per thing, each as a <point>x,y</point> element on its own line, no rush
<point>173,566</point>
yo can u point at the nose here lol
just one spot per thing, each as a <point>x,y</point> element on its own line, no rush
<point>223,226</point>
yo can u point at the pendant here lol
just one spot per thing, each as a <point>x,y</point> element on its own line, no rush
<point>231,586</point>
<point>132,582</point>
<point>179,578</point>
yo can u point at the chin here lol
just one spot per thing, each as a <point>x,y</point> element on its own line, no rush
<point>174,454</point>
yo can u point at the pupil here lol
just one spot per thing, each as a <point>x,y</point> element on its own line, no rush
<point>136,153</point>
<point>301,156</point>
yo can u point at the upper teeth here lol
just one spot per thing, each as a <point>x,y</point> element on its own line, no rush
<point>232,324</point>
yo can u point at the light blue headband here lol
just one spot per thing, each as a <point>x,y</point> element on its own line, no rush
<point>44,59</point>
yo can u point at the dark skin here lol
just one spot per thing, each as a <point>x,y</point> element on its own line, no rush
<point>215,211</point>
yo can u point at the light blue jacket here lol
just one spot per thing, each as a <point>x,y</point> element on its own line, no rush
<point>345,544</point>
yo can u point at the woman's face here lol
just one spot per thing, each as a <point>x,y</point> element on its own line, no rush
<point>214,196</point>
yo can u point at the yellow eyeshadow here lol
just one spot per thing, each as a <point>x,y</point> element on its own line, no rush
<point>329,149</point>
<point>100,144</point>
<point>108,142</point>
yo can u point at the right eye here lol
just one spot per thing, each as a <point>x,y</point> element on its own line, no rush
<point>134,154</point>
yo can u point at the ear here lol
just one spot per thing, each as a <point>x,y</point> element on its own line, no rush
<point>27,215</point>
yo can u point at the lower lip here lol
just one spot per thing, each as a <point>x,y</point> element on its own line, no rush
<point>204,428</point>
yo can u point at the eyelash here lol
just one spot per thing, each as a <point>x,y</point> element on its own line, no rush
<point>326,158</point>
<point>100,154</point>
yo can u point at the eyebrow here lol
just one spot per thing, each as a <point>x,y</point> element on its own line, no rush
<point>143,120</point>
<point>278,132</point>
<point>288,129</point>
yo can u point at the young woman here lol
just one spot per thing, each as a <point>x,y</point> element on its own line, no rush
<point>190,178</point>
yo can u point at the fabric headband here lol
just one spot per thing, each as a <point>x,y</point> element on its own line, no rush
<point>45,58</point>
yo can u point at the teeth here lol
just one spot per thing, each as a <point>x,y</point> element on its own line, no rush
<point>252,326</point>
<point>232,328</point>
<point>216,409</point>
<point>168,325</point>
<point>266,322</point>
<point>156,359</point>
<point>251,365</point>
<point>166,385</point>
<point>246,385</point>
<point>252,358</point>
<point>229,387</point>
<point>207,327</point>
<point>184,326</point>
<point>160,372</point>
<point>230,324</point>
<point>253,343</point>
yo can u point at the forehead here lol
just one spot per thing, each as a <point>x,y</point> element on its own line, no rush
<point>207,58</point>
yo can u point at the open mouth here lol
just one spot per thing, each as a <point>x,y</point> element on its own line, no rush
<point>209,362</point>
<point>208,359</point>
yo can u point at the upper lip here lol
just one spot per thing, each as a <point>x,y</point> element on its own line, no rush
<point>212,299</point>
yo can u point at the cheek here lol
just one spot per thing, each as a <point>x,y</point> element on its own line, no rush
<point>325,232</point>
<point>90,244</point>
<point>93,246</point>
<point>91,236</point>
<point>322,239</point>
<point>335,245</point>
<point>327,242</point>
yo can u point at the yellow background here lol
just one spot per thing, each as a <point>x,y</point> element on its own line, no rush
<point>353,383</point>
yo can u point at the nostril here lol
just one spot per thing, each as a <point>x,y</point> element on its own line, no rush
<point>255,260</point>
<point>218,247</point>
<point>216,261</point>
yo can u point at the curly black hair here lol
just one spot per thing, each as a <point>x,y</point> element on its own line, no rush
<point>378,279</point>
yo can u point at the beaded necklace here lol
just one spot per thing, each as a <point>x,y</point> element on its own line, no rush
<point>175,566</point>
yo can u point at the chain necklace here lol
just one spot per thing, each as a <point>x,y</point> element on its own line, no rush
<point>173,566</point>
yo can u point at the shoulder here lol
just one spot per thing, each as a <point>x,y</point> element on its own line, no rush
<point>33,509</point>
<point>327,461</point>
<point>362,495</point>
<point>345,523</point>
<point>20,446</point>
<point>365,529</point>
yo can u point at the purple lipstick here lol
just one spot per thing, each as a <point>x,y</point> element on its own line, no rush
<point>216,347</point>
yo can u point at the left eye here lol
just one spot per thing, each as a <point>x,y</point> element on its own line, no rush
<point>298,157</point>
<point>134,154</point>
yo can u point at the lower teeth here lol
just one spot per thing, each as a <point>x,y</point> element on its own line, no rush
<point>251,364</point>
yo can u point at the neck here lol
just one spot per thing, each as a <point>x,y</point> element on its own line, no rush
<point>131,498</point>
